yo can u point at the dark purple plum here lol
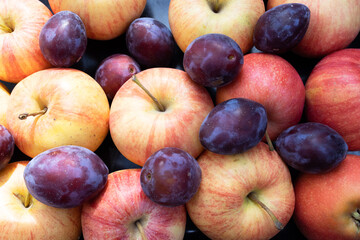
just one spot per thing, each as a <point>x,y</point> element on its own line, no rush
<point>114,71</point>
<point>170,177</point>
<point>233,126</point>
<point>213,60</point>
<point>7,146</point>
<point>65,176</point>
<point>150,42</point>
<point>63,39</point>
<point>281,28</point>
<point>311,147</point>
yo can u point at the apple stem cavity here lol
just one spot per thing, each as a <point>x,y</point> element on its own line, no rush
<point>158,104</point>
<point>356,216</point>
<point>141,230</point>
<point>5,28</point>
<point>24,116</point>
<point>269,142</point>
<point>25,201</point>
<point>252,196</point>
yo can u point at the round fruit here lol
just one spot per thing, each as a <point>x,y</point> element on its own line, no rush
<point>63,39</point>
<point>7,146</point>
<point>311,147</point>
<point>65,176</point>
<point>233,126</point>
<point>281,28</point>
<point>170,177</point>
<point>213,60</point>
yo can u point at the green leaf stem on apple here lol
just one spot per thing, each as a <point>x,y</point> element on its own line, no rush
<point>252,196</point>
<point>26,201</point>
<point>158,104</point>
<point>23,116</point>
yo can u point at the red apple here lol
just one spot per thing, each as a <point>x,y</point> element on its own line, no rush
<point>104,20</point>
<point>233,187</point>
<point>4,101</point>
<point>23,217</point>
<point>189,19</point>
<point>139,128</point>
<point>333,94</point>
<point>114,71</point>
<point>55,107</point>
<point>333,25</point>
<point>123,211</point>
<point>328,204</point>
<point>20,25</point>
<point>273,82</point>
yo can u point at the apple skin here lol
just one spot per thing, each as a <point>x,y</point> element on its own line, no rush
<point>333,94</point>
<point>114,212</point>
<point>325,202</point>
<point>4,101</point>
<point>138,128</point>
<point>20,53</point>
<point>189,19</point>
<point>333,25</point>
<point>273,82</point>
<point>37,221</point>
<point>104,20</point>
<point>77,114</point>
<point>223,211</point>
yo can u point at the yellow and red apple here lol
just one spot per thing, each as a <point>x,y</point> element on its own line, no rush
<point>4,100</point>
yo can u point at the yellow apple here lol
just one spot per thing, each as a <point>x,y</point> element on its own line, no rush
<point>56,107</point>
<point>4,100</point>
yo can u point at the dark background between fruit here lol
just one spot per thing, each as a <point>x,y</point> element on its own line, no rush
<point>99,50</point>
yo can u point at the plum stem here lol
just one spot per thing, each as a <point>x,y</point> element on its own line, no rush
<point>24,116</point>
<point>158,104</point>
<point>141,230</point>
<point>5,28</point>
<point>252,196</point>
<point>268,140</point>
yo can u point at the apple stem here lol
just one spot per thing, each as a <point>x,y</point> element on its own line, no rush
<point>356,216</point>
<point>5,28</point>
<point>24,116</point>
<point>27,200</point>
<point>268,140</point>
<point>252,196</point>
<point>141,230</point>
<point>158,104</point>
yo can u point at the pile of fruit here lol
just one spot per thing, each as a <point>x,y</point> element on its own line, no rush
<point>179,119</point>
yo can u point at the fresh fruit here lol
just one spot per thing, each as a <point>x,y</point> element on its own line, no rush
<point>138,126</point>
<point>123,211</point>
<point>65,176</point>
<point>189,19</point>
<point>4,101</point>
<point>20,25</point>
<point>7,146</point>
<point>273,82</point>
<point>56,107</point>
<point>114,71</point>
<point>104,20</point>
<point>333,94</point>
<point>243,196</point>
<point>327,204</point>
<point>150,42</point>
<point>170,177</point>
<point>311,147</point>
<point>24,217</point>
<point>233,126</point>
<point>63,39</point>
<point>213,60</point>
<point>333,26</point>
<point>281,28</point>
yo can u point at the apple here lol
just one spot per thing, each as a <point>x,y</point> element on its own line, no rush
<point>104,20</point>
<point>139,127</point>
<point>55,107</point>
<point>328,204</point>
<point>23,217</point>
<point>4,101</point>
<point>20,24</point>
<point>333,25</point>
<point>114,71</point>
<point>189,19</point>
<point>333,94</point>
<point>122,210</point>
<point>273,82</point>
<point>243,196</point>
